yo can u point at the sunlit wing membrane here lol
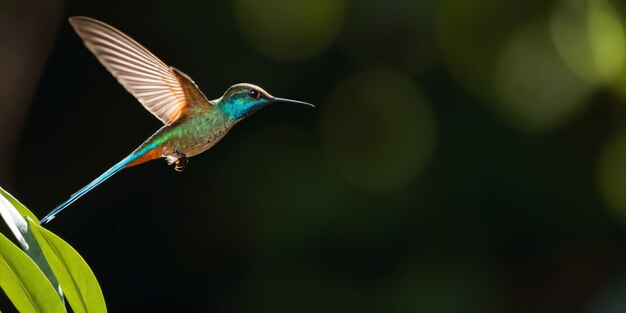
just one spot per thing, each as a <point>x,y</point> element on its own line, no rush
<point>146,77</point>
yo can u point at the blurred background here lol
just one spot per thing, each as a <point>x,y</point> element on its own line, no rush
<point>464,156</point>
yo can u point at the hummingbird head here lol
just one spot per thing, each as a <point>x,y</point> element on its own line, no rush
<point>241,100</point>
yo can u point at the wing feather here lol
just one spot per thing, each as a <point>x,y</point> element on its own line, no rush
<point>161,89</point>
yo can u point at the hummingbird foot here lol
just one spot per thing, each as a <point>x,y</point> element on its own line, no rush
<point>181,163</point>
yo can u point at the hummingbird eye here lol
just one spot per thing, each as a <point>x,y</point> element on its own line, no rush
<point>253,93</point>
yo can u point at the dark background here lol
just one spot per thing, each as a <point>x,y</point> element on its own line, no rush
<point>464,156</point>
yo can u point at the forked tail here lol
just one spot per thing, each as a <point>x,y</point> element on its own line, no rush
<point>116,168</point>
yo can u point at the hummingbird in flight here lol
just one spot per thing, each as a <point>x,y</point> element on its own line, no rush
<point>193,124</point>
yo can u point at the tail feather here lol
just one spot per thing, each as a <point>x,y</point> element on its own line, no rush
<point>110,172</point>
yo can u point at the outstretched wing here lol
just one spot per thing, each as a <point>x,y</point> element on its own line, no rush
<point>161,90</point>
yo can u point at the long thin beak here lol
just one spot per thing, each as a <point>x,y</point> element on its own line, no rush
<point>292,101</point>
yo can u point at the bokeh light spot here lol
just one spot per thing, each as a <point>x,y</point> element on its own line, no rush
<point>536,91</point>
<point>612,175</point>
<point>378,130</point>
<point>589,35</point>
<point>290,30</point>
<point>406,42</point>
<point>472,34</point>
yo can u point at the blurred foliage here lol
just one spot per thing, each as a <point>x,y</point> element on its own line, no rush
<point>465,156</point>
<point>524,82</point>
<point>612,174</point>
<point>590,37</point>
<point>389,135</point>
<point>290,30</point>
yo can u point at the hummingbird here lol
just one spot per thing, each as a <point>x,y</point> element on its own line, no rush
<point>192,123</point>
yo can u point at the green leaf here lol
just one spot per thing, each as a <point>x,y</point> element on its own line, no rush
<point>24,283</point>
<point>24,211</point>
<point>18,225</point>
<point>76,278</point>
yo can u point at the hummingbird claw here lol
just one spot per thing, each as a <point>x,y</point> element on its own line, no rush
<point>181,163</point>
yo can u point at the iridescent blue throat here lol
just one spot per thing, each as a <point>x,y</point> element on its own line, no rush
<point>241,105</point>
